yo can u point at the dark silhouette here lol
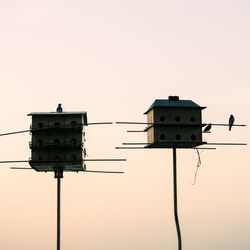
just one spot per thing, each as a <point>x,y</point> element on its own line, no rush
<point>59,108</point>
<point>231,122</point>
<point>207,128</point>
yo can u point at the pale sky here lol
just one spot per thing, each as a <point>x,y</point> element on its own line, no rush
<point>113,59</point>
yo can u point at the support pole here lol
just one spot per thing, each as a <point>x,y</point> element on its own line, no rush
<point>175,200</point>
<point>58,176</point>
<point>58,209</point>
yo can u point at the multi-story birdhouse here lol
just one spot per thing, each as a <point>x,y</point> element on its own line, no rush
<point>57,140</point>
<point>174,123</point>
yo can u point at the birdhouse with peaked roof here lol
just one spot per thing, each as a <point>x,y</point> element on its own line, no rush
<point>57,140</point>
<point>174,123</point>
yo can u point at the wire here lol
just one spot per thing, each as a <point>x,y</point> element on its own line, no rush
<point>16,132</point>
<point>197,166</point>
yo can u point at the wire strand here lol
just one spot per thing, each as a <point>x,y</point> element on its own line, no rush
<point>197,166</point>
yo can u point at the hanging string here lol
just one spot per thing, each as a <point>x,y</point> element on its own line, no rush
<point>197,166</point>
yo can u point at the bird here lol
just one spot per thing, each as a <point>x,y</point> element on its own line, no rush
<point>84,152</point>
<point>207,128</point>
<point>59,108</point>
<point>231,122</point>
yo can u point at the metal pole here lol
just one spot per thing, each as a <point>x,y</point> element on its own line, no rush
<point>175,200</point>
<point>58,206</point>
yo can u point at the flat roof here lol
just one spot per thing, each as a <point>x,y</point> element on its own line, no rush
<point>58,113</point>
<point>82,113</point>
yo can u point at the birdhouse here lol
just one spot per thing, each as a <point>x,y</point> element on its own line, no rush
<point>57,140</point>
<point>174,123</point>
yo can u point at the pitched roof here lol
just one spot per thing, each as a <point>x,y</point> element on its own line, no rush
<point>173,102</point>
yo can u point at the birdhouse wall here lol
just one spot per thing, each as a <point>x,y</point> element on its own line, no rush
<point>150,117</point>
<point>57,137</point>
<point>65,138</point>
<point>174,116</point>
<point>59,120</point>
<point>39,155</point>
<point>56,155</point>
<point>178,136</point>
<point>39,122</point>
<point>168,127</point>
<point>150,135</point>
<point>74,155</point>
<point>65,155</point>
<point>74,118</point>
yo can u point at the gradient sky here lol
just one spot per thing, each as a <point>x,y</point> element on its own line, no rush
<point>113,59</point>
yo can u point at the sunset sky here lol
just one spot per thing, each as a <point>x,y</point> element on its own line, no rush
<point>112,59</point>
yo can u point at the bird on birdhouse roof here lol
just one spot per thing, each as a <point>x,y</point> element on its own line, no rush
<point>59,108</point>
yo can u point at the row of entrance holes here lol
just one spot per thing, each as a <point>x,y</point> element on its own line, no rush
<point>178,137</point>
<point>177,119</point>
<point>56,124</point>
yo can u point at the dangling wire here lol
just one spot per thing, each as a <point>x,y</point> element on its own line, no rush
<point>197,166</point>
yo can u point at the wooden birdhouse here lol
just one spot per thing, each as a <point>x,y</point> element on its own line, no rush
<point>174,123</point>
<point>57,140</point>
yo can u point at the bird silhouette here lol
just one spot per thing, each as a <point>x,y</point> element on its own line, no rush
<point>207,128</point>
<point>59,108</point>
<point>84,152</point>
<point>231,122</point>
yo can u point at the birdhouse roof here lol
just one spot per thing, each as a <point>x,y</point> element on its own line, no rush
<point>58,113</point>
<point>82,113</point>
<point>174,102</point>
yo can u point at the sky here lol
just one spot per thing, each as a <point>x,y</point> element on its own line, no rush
<point>113,59</point>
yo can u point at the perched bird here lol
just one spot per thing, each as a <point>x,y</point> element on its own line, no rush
<point>231,122</point>
<point>207,128</point>
<point>59,108</point>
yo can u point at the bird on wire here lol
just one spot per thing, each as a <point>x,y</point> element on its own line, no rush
<point>231,122</point>
<point>207,128</point>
